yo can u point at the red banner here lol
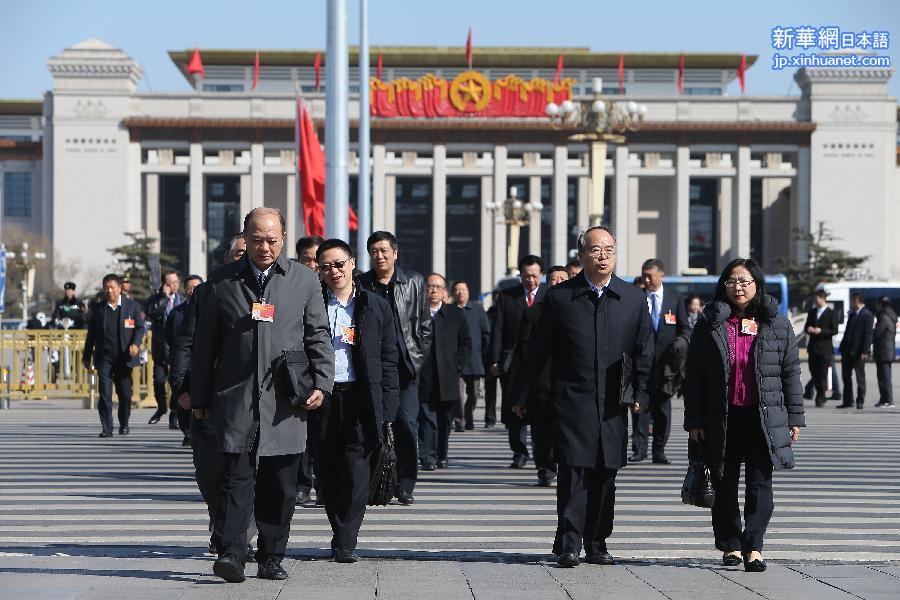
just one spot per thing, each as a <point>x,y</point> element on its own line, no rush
<point>470,94</point>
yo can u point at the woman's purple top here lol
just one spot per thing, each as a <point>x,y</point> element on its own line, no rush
<point>742,380</point>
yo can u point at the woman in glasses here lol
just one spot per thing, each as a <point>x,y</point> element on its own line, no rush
<point>743,398</point>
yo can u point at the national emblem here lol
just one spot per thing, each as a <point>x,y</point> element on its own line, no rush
<point>470,91</point>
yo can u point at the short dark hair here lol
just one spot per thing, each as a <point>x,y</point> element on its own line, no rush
<point>574,263</point>
<point>580,243</point>
<point>381,236</point>
<point>460,282</point>
<point>556,268</point>
<point>821,293</point>
<point>531,259</point>
<point>653,263</point>
<point>168,272</point>
<point>444,279</point>
<point>756,305</point>
<point>307,242</point>
<point>334,243</point>
<point>112,277</point>
<point>858,297</point>
<point>264,210</point>
<point>193,278</point>
<point>884,302</point>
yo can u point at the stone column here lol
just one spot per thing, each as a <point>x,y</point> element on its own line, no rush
<point>257,158</point>
<point>134,202</point>
<point>196,209</point>
<point>740,215</point>
<point>439,210</point>
<point>378,219</point>
<point>559,225</point>
<point>390,203</point>
<point>800,209</point>
<point>151,208</point>
<point>620,208</point>
<point>534,226</point>
<point>681,216</point>
<point>499,196</point>
<point>292,217</point>
<point>488,276</point>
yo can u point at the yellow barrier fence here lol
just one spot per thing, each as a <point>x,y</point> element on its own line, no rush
<point>38,364</point>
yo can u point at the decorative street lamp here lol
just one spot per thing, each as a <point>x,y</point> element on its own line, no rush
<point>598,121</point>
<point>515,214</point>
<point>27,262</point>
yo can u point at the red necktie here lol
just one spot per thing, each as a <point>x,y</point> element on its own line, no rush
<point>530,300</point>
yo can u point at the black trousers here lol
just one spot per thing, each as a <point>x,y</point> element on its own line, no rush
<point>114,372</point>
<point>885,389</point>
<point>270,492</point>
<point>585,508</point>
<point>542,436</point>
<point>490,400</point>
<point>660,413</point>
<point>745,444</point>
<point>208,467</point>
<point>345,461</point>
<point>160,375</point>
<point>849,367</point>
<point>517,430</point>
<point>470,390</point>
<point>818,370</point>
<point>406,434</point>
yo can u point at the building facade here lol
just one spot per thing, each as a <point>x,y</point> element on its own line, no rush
<point>707,177</point>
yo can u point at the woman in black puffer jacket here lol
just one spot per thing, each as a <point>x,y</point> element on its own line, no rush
<point>743,396</point>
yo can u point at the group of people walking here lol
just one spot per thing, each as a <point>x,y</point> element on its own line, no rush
<point>282,368</point>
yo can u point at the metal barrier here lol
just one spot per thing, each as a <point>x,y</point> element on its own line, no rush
<point>38,364</point>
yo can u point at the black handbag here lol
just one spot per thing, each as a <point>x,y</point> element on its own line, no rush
<point>291,375</point>
<point>383,479</point>
<point>697,488</point>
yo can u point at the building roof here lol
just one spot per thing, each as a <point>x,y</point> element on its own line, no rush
<point>482,57</point>
<point>22,107</point>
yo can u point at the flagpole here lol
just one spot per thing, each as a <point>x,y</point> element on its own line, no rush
<point>363,200</point>
<point>298,215</point>
<point>337,134</point>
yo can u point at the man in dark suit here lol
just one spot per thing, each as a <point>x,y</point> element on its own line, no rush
<point>821,325</point>
<point>262,358</point>
<point>173,324</point>
<point>595,330</point>
<point>113,343</point>
<point>510,309</point>
<point>451,346</point>
<point>159,306</point>
<point>668,317</point>
<point>855,348</point>
<point>471,383</point>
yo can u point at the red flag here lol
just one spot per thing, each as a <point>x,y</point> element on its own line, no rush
<point>559,69</point>
<point>378,70</point>
<point>681,73</point>
<point>621,73</point>
<point>195,65</point>
<point>311,164</point>
<point>469,48</point>
<point>256,70</point>
<point>317,65</point>
<point>742,69</point>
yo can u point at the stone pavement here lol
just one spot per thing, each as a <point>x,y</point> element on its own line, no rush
<point>88,518</point>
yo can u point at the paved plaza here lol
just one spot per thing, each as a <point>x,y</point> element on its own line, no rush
<point>88,518</point>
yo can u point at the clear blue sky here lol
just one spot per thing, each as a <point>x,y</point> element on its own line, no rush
<point>34,30</point>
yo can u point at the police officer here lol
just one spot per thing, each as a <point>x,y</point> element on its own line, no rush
<point>68,307</point>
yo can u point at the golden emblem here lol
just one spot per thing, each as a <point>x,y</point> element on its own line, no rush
<point>470,91</point>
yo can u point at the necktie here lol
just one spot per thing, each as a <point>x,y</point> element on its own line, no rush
<point>170,304</point>
<point>530,300</point>
<point>654,312</point>
<point>261,280</point>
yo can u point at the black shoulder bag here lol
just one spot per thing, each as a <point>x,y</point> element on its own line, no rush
<point>697,489</point>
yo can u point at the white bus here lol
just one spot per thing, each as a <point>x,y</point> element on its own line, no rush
<point>839,299</point>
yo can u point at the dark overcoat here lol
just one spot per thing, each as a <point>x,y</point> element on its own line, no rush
<point>820,344</point>
<point>601,353</point>
<point>450,349</point>
<point>93,343</point>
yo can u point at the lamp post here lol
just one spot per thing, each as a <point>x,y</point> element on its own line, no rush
<point>515,214</point>
<point>28,263</point>
<point>599,122</point>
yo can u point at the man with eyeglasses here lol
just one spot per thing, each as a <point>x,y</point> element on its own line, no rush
<point>595,330</point>
<point>405,292</point>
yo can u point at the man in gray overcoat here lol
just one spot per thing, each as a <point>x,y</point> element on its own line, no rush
<point>262,359</point>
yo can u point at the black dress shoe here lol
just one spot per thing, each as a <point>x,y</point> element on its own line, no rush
<point>844,406</point>
<point>302,497</point>
<point>859,406</point>
<point>601,558</point>
<point>568,560</point>
<point>807,395</point>
<point>489,425</point>
<point>459,428</point>
<point>820,402</point>
<point>545,478</point>
<point>124,430</point>
<point>105,434</point>
<point>731,560</point>
<point>156,417</point>
<point>661,460</point>
<point>251,553</point>
<point>518,462</point>
<point>173,420</point>
<point>470,426</point>
<point>271,569</point>
<point>756,566</point>
<point>636,458</point>
<point>186,442</point>
<point>443,463</point>
<point>344,556</point>
<point>405,498</point>
<point>835,397</point>
<point>230,568</point>
<point>428,467</point>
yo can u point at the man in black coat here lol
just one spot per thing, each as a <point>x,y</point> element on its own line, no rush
<point>173,324</point>
<point>68,307</point>
<point>471,387</point>
<point>451,347</point>
<point>821,325</point>
<point>668,317</point>
<point>158,308</point>
<point>113,343</point>
<point>405,292</point>
<point>855,348</point>
<point>510,309</point>
<point>595,330</point>
<point>366,391</point>
<point>885,349</point>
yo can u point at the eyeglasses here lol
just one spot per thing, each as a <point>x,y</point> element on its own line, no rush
<point>434,286</point>
<point>597,252</point>
<point>733,283</point>
<point>338,264</point>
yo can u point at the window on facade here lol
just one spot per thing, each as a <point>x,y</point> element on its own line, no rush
<point>703,239</point>
<point>17,194</point>
<point>413,222</point>
<point>223,87</point>
<point>756,220</point>
<point>702,91</point>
